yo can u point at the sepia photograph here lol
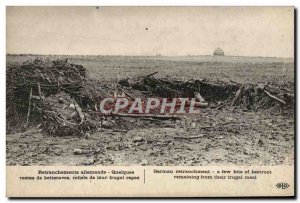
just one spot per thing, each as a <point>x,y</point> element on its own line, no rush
<point>150,86</point>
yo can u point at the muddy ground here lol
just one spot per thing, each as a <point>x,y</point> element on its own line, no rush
<point>213,137</point>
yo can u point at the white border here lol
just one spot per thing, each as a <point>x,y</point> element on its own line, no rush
<point>153,2</point>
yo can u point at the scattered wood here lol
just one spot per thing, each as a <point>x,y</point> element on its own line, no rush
<point>197,104</point>
<point>127,94</point>
<point>234,82</point>
<point>237,95</point>
<point>198,97</point>
<point>41,98</point>
<point>162,117</point>
<point>151,74</point>
<point>108,124</point>
<point>79,111</point>
<point>275,98</point>
<point>120,130</point>
<point>205,127</point>
<point>221,106</point>
<point>29,107</point>
<point>201,105</point>
<point>150,119</point>
<point>288,98</point>
<point>39,90</point>
<point>261,87</point>
<point>189,138</point>
<point>115,94</point>
<point>35,97</point>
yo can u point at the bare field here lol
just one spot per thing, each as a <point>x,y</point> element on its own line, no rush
<point>240,69</point>
<point>236,138</point>
<point>227,136</point>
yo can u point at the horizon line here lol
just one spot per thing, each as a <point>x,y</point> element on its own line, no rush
<point>157,55</point>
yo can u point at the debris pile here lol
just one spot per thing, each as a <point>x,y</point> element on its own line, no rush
<point>219,94</point>
<point>62,116</point>
<point>39,90</point>
<point>60,96</point>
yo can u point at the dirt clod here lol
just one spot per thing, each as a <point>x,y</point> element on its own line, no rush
<point>78,151</point>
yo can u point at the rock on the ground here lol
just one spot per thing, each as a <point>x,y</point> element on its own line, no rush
<point>78,151</point>
<point>87,135</point>
<point>60,100</point>
<point>89,161</point>
<point>107,124</point>
<point>137,139</point>
<point>72,106</point>
<point>144,162</point>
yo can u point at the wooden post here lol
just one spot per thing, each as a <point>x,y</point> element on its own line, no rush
<point>127,94</point>
<point>79,111</point>
<point>151,74</point>
<point>237,95</point>
<point>275,98</point>
<point>198,97</point>
<point>41,98</point>
<point>29,106</point>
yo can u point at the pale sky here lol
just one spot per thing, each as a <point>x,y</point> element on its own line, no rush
<point>241,31</point>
